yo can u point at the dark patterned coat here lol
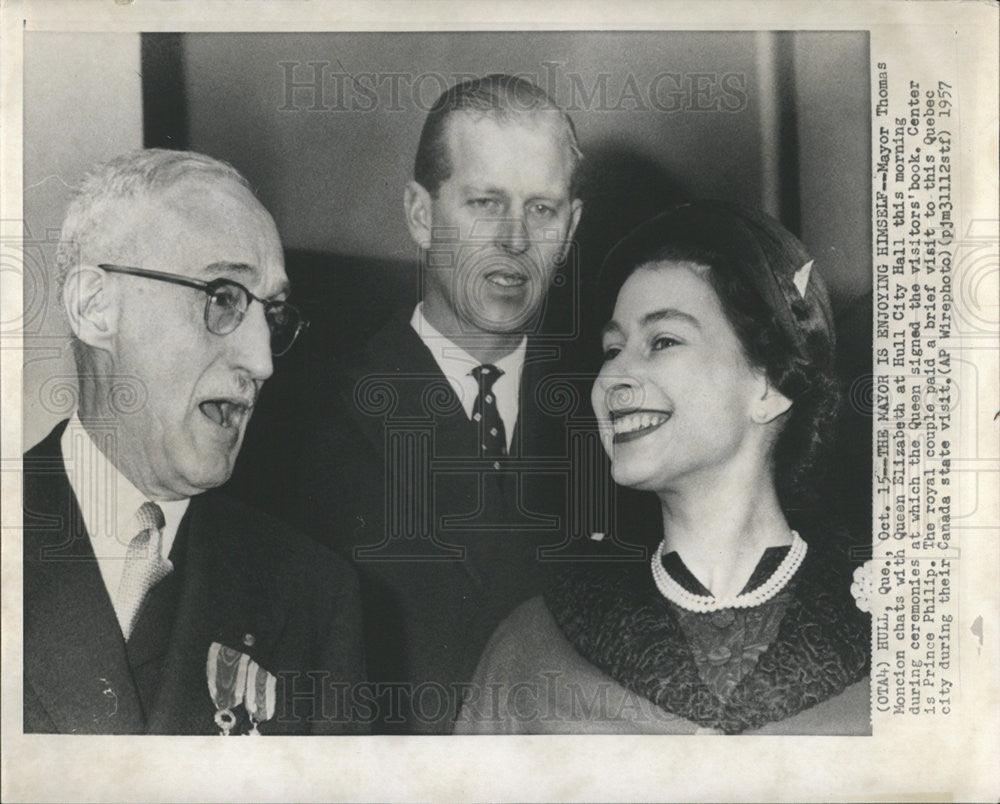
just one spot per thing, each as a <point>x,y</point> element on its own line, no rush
<point>605,653</point>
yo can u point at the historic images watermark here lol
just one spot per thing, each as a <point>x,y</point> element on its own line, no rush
<point>553,697</point>
<point>321,86</point>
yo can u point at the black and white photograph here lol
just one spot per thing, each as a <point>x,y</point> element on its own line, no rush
<point>497,384</point>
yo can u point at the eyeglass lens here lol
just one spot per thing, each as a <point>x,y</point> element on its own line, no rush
<point>227,304</point>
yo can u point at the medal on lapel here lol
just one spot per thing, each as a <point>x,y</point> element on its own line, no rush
<point>227,678</point>
<point>260,695</point>
<point>233,679</point>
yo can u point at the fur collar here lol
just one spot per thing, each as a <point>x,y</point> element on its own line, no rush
<point>617,619</point>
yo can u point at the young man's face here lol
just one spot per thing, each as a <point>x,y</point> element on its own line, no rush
<point>499,226</point>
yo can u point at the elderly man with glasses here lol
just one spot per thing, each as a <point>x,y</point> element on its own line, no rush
<point>152,602</point>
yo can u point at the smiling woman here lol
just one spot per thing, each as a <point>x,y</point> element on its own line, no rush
<point>716,394</point>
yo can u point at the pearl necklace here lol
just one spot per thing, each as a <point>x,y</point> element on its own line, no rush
<point>676,593</point>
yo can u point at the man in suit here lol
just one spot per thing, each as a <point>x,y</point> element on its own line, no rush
<point>152,603</point>
<point>438,459</point>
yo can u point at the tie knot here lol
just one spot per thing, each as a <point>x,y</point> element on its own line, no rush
<point>150,516</point>
<point>486,375</point>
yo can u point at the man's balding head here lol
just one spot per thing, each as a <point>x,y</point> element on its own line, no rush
<point>504,98</point>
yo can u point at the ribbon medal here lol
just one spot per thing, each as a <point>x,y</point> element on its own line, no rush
<point>227,679</point>
<point>260,695</point>
<point>233,679</point>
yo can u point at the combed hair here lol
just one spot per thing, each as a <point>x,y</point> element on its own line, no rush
<point>96,204</point>
<point>502,97</point>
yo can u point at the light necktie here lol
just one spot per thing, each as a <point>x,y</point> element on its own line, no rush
<point>492,436</point>
<point>144,566</point>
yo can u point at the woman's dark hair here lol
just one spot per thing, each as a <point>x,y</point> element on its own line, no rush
<point>753,264</point>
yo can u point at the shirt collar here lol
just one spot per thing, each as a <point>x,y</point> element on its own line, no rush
<point>108,501</point>
<point>456,364</point>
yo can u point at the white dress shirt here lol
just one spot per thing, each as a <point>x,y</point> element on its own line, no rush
<point>108,502</point>
<point>456,364</point>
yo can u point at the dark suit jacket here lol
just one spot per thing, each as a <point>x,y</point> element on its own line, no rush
<point>240,578</point>
<point>446,546</point>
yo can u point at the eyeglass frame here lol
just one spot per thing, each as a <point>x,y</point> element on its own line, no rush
<point>208,288</point>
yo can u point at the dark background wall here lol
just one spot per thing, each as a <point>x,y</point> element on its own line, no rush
<point>732,115</point>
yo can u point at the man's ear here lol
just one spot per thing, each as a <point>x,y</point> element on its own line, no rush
<point>770,405</point>
<point>419,217</point>
<point>90,299</point>
<point>576,210</point>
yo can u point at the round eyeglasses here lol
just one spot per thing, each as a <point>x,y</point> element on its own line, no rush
<point>226,304</point>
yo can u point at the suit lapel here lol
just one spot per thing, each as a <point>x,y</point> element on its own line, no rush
<point>541,429</point>
<point>221,600</point>
<point>420,394</point>
<point>74,652</point>
<point>75,658</point>
<point>396,356</point>
<point>540,433</point>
